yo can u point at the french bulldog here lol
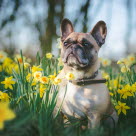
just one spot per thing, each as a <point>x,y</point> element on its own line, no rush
<point>79,53</point>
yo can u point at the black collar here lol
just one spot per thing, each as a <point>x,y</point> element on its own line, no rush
<point>87,81</point>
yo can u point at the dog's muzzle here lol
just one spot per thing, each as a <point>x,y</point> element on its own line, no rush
<point>77,52</point>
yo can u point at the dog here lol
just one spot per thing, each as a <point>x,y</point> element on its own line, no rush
<point>86,95</point>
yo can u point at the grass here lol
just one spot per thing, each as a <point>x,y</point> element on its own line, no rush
<point>33,102</point>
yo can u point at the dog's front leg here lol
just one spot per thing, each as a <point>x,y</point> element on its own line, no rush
<point>93,120</point>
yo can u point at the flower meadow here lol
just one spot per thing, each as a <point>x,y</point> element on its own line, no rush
<point>28,95</point>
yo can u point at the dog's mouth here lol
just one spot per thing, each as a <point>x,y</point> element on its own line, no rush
<point>77,60</point>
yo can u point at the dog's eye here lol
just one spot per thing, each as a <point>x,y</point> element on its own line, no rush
<point>65,43</point>
<point>85,44</point>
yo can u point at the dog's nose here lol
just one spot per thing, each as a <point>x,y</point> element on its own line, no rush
<point>75,46</point>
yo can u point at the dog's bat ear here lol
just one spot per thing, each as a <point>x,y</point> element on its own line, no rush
<point>66,28</point>
<point>99,32</point>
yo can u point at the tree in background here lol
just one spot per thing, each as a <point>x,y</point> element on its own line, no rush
<point>10,10</point>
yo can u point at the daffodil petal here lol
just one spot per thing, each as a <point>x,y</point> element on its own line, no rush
<point>127,107</point>
<point>124,111</point>
<point>117,107</point>
<point>119,111</point>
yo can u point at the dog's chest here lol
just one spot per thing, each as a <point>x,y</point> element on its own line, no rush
<point>79,101</point>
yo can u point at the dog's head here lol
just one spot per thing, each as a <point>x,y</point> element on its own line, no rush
<point>80,50</point>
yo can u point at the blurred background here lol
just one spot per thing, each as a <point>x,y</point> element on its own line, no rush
<point>34,25</point>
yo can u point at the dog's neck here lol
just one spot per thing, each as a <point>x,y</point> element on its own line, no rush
<point>85,73</point>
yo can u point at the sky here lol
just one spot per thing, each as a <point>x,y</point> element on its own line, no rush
<point>114,45</point>
<point>26,36</point>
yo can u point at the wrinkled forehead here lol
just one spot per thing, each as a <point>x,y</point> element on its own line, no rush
<point>79,37</point>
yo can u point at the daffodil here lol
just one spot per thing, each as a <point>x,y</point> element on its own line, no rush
<point>126,91</point>
<point>5,113</point>
<point>49,55</point>
<point>125,61</point>
<point>124,69</point>
<point>114,84</point>
<point>105,75</point>
<point>122,107</point>
<point>9,69</point>
<point>26,65</point>
<point>7,61</point>
<point>37,75</point>
<point>20,58</point>
<point>70,76</point>
<point>119,62</point>
<point>42,90</point>
<point>131,58</point>
<point>57,81</point>
<point>4,97</point>
<point>15,67</point>
<point>34,82</point>
<point>3,55</point>
<point>52,77</point>
<point>36,68</point>
<point>8,66</point>
<point>8,82</point>
<point>105,62</point>
<point>111,94</point>
<point>44,80</point>
<point>29,77</point>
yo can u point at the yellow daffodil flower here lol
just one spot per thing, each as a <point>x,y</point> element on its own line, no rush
<point>49,55</point>
<point>111,94</point>
<point>7,61</point>
<point>19,58</point>
<point>125,61</point>
<point>121,107</point>
<point>126,91</point>
<point>36,68</point>
<point>70,76</point>
<point>114,84</point>
<point>105,62</point>
<point>105,75</point>
<point>119,62</point>
<point>26,65</point>
<point>8,82</point>
<point>44,80</point>
<point>5,113</point>
<point>4,97</point>
<point>52,77</point>
<point>28,77</point>
<point>3,55</point>
<point>37,75</point>
<point>131,58</point>
<point>57,81</point>
<point>124,69</point>
<point>42,90</point>
<point>34,82</point>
